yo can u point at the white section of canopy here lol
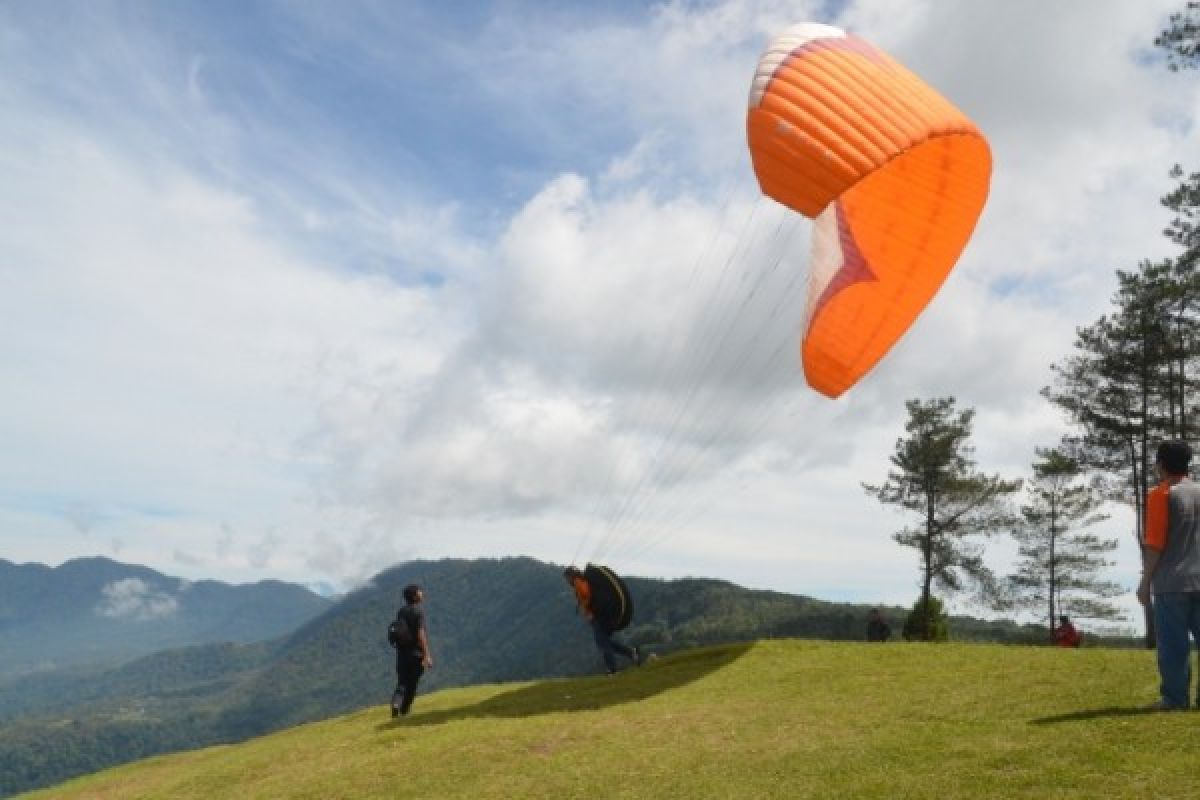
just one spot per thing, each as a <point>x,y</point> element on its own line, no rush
<point>826,258</point>
<point>781,47</point>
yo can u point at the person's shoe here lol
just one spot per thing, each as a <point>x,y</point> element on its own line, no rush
<point>395,712</point>
<point>637,656</point>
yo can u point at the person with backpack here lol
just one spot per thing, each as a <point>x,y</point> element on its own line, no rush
<point>407,634</point>
<point>601,631</point>
<point>877,628</point>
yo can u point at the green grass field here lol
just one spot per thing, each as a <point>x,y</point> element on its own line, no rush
<point>776,719</point>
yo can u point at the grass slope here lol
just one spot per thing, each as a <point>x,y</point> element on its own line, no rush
<point>779,718</point>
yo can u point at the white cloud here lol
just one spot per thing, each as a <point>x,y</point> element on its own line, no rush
<point>133,598</point>
<point>243,345</point>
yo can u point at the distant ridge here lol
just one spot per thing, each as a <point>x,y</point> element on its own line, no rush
<point>96,610</point>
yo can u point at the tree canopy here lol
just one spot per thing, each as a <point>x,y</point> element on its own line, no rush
<point>934,479</point>
<point>1059,561</point>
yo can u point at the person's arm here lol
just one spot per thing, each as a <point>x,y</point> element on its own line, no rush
<point>1155,539</point>
<point>426,655</point>
<point>583,598</point>
<point>1150,558</point>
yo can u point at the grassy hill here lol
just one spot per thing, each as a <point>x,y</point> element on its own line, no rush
<point>491,621</point>
<point>777,718</point>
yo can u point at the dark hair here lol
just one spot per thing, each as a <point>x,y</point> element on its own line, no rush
<point>1174,456</point>
<point>570,573</point>
<point>410,593</point>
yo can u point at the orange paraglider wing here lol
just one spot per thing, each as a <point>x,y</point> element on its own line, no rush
<point>894,174</point>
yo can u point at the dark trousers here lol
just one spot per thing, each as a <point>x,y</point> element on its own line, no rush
<point>1176,614</point>
<point>609,647</point>
<point>409,670</point>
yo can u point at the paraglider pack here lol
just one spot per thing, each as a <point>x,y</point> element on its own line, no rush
<point>611,603</point>
<point>400,633</point>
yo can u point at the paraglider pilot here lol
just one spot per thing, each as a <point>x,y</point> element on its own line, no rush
<point>608,646</point>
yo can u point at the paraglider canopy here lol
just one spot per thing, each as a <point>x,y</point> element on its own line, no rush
<point>894,174</point>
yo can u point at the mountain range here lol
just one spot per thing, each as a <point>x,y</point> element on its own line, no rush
<point>94,611</point>
<point>489,620</point>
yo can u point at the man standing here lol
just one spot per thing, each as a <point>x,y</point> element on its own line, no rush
<point>877,628</point>
<point>1171,569</point>
<point>412,649</point>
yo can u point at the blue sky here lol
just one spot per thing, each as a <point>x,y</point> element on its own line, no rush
<point>298,290</point>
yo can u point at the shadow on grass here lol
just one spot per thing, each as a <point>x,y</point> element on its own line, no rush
<point>588,694</point>
<point>1097,713</point>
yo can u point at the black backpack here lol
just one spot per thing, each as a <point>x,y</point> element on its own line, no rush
<point>612,605</point>
<point>400,633</point>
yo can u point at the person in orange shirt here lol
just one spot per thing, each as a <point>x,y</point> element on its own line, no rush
<point>1065,635</point>
<point>1171,570</point>
<point>608,646</point>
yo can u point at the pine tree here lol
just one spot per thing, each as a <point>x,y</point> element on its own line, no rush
<point>1178,286</point>
<point>1058,560</point>
<point>1110,389</point>
<point>934,478</point>
<point>1131,381</point>
<point>1181,39</point>
<point>926,622</point>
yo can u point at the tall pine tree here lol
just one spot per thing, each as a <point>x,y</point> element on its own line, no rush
<point>1181,38</point>
<point>933,477</point>
<point>1058,565</point>
<point>1132,380</point>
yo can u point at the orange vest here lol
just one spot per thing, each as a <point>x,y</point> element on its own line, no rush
<point>1066,636</point>
<point>583,594</point>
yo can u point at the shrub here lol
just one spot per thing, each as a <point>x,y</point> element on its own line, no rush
<point>926,622</point>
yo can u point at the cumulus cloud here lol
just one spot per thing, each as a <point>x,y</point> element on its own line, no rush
<point>564,323</point>
<point>82,515</point>
<point>186,559</point>
<point>134,599</point>
<point>263,551</point>
<point>595,368</point>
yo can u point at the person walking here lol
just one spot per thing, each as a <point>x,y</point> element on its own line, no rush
<point>413,656</point>
<point>1171,570</point>
<point>605,643</point>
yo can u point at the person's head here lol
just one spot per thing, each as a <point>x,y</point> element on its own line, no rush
<point>873,614</point>
<point>413,594</point>
<point>1173,457</point>
<point>570,574</point>
<point>1063,620</point>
